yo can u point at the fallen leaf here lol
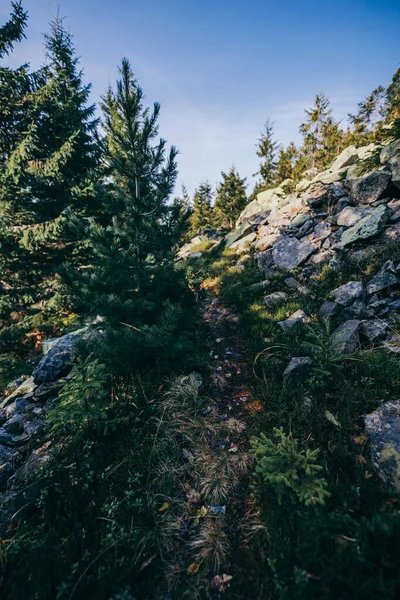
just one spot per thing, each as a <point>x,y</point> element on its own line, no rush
<point>164,506</point>
<point>193,568</point>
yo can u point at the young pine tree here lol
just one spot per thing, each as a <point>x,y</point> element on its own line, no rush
<point>267,150</point>
<point>365,123</point>
<point>286,162</point>
<point>131,281</point>
<point>230,199</point>
<point>391,110</point>
<point>203,214</point>
<point>321,135</point>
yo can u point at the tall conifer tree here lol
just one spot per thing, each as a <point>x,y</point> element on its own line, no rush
<point>202,216</point>
<point>267,149</point>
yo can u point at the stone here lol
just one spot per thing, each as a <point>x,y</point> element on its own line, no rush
<point>298,369</point>
<point>6,453</point>
<point>383,428</point>
<point>241,245</point>
<point>328,310</point>
<point>194,255</point>
<point>346,158</point>
<point>321,257</point>
<point>368,226</point>
<point>58,361</point>
<point>25,388</point>
<point>266,241</point>
<point>296,285</point>
<point>321,231</point>
<point>260,285</point>
<point>374,330</point>
<point>385,278</point>
<point>9,439</point>
<point>390,156</point>
<point>356,310</point>
<point>264,259</point>
<point>15,424</point>
<point>347,293</point>
<point>275,299</point>
<point>305,229</point>
<point>345,339</point>
<point>297,318</point>
<point>350,215</point>
<point>299,220</point>
<point>391,234</point>
<point>244,229</point>
<point>395,305</point>
<point>368,188</point>
<point>289,253</point>
<point>6,471</point>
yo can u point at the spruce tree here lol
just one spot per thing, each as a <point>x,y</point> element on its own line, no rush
<point>46,170</point>
<point>131,281</point>
<point>267,149</point>
<point>365,122</point>
<point>322,137</point>
<point>230,199</point>
<point>391,110</point>
<point>203,215</point>
<point>286,162</point>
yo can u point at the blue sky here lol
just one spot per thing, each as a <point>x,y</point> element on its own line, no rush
<point>219,68</point>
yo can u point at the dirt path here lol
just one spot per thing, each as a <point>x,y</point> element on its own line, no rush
<point>232,407</point>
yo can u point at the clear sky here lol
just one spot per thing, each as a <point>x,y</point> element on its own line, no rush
<point>219,68</point>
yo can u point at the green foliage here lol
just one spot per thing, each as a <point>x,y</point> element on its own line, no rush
<point>202,215</point>
<point>367,119</point>
<point>230,199</point>
<point>84,399</point>
<point>267,150</point>
<point>284,466</point>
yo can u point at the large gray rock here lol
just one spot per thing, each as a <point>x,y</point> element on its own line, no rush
<point>383,428</point>
<point>58,361</point>
<point>385,278</point>
<point>298,369</point>
<point>289,253</point>
<point>27,387</point>
<point>390,156</point>
<point>369,226</point>
<point>369,187</point>
<point>350,215</point>
<point>347,293</point>
<point>345,339</point>
<point>266,240</point>
<point>328,310</point>
<point>241,246</point>
<point>244,229</point>
<point>346,158</point>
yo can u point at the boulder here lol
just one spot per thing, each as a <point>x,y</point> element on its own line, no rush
<point>26,388</point>
<point>275,299</point>
<point>345,339</point>
<point>328,310</point>
<point>305,229</point>
<point>298,369</point>
<point>289,253</point>
<point>369,226</point>
<point>374,330</point>
<point>321,231</point>
<point>194,255</point>
<point>241,245</point>
<point>346,158</point>
<point>347,293</point>
<point>390,157</point>
<point>244,229</point>
<point>385,278</point>
<point>296,285</point>
<point>350,215</point>
<point>300,219</point>
<point>58,361</point>
<point>297,318</point>
<point>383,428</point>
<point>369,187</point>
<point>266,240</point>
<point>15,424</point>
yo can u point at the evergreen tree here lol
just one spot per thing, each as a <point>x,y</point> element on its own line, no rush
<point>286,162</point>
<point>267,150</point>
<point>230,199</point>
<point>391,108</point>
<point>202,216</point>
<point>46,167</point>
<point>365,122</point>
<point>322,137</point>
<point>131,281</point>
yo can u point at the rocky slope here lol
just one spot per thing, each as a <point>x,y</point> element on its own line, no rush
<point>350,211</point>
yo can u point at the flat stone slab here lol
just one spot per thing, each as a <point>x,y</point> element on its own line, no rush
<point>298,369</point>
<point>385,278</point>
<point>383,428</point>
<point>297,318</point>
<point>275,299</point>
<point>347,293</point>
<point>345,339</point>
<point>289,253</point>
<point>367,227</point>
